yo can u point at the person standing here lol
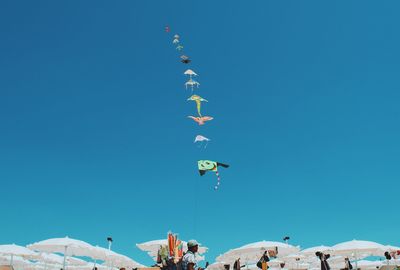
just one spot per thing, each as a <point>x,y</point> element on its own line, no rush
<point>347,264</point>
<point>263,262</point>
<point>189,260</point>
<point>323,257</point>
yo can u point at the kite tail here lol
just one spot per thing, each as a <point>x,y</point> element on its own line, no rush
<point>218,181</point>
<point>198,107</point>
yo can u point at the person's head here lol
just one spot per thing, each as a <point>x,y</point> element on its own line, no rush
<point>193,246</point>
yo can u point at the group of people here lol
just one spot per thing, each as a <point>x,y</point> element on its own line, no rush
<point>189,260</point>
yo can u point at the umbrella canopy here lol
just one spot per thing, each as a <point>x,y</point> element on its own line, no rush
<point>15,250</point>
<point>66,246</point>
<point>275,263</point>
<point>51,258</point>
<point>217,266</point>
<point>152,247</point>
<point>392,248</point>
<point>362,264</point>
<point>17,261</point>
<point>358,249</point>
<point>118,260</point>
<point>365,264</point>
<point>312,250</point>
<point>252,252</point>
<point>293,257</point>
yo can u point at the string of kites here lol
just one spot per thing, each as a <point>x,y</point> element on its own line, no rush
<point>203,165</point>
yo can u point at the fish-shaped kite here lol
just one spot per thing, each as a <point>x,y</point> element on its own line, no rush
<point>209,165</point>
<point>190,73</point>
<point>192,83</point>
<point>201,120</point>
<point>198,100</point>
<point>201,139</point>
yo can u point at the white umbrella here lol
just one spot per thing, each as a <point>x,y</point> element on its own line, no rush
<point>15,250</point>
<point>252,252</point>
<point>124,261</point>
<point>392,248</point>
<point>116,259</point>
<point>293,261</point>
<point>365,264</point>
<point>312,250</point>
<point>66,246</point>
<point>357,248</point>
<point>275,263</point>
<point>52,258</point>
<point>18,262</point>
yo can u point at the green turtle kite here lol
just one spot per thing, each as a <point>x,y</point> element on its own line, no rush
<point>209,165</point>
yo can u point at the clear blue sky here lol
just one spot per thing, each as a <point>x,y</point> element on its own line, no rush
<point>95,141</point>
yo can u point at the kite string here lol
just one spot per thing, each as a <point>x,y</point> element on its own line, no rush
<point>195,207</point>
<point>218,180</point>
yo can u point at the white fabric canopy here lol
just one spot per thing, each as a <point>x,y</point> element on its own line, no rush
<point>66,246</point>
<point>251,253</point>
<point>312,250</point>
<point>16,250</point>
<point>357,249</point>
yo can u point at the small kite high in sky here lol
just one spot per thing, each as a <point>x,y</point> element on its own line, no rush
<point>198,100</point>
<point>190,72</point>
<point>185,59</point>
<point>201,120</point>
<point>209,165</point>
<point>201,139</point>
<point>192,83</point>
<point>176,39</point>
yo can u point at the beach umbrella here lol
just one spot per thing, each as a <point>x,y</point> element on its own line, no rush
<point>66,246</point>
<point>88,266</point>
<point>253,252</point>
<point>361,264</point>
<point>357,249</point>
<point>393,249</point>
<point>52,259</point>
<point>41,266</point>
<point>116,259</point>
<point>365,264</point>
<point>15,250</point>
<point>18,262</point>
<point>293,265</point>
<point>293,260</point>
<point>126,262</point>
<point>152,247</point>
<point>275,263</point>
<point>312,250</point>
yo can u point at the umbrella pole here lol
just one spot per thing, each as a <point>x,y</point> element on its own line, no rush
<point>12,259</point>
<point>356,261</point>
<point>65,255</point>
